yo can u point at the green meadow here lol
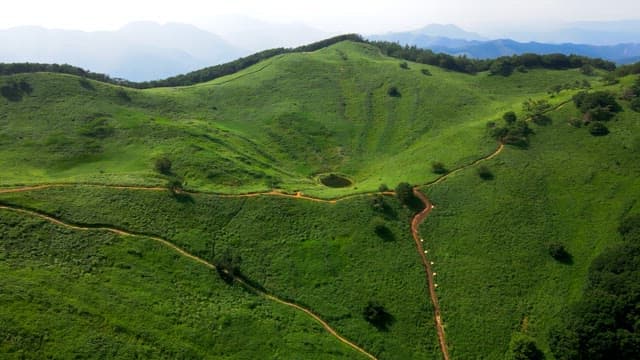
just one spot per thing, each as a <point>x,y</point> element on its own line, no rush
<point>281,126</point>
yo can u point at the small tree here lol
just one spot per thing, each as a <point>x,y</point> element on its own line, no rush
<point>381,230</point>
<point>377,316</point>
<point>485,173</point>
<point>587,69</point>
<point>163,166</point>
<point>558,252</point>
<point>404,193</point>
<point>598,129</point>
<point>394,92</point>
<point>510,117</point>
<point>438,167</point>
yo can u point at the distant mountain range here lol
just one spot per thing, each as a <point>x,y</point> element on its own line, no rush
<point>455,41</point>
<point>138,51</point>
<point>145,51</point>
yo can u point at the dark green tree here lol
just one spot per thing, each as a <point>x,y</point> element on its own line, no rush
<point>438,167</point>
<point>377,315</point>
<point>404,193</point>
<point>598,129</point>
<point>510,117</point>
<point>163,166</point>
<point>394,92</point>
<point>485,173</point>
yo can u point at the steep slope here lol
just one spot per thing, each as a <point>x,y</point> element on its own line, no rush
<point>489,239</point>
<point>280,123</point>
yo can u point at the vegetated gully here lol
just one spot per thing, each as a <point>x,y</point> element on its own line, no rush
<point>415,224</point>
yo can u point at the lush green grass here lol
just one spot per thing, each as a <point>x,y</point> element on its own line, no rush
<point>278,123</point>
<point>489,238</point>
<point>284,123</point>
<point>73,294</point>
<point>324,256</point>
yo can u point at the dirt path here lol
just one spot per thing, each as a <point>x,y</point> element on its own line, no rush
<point>184,253</point>
<point>415,224</point>
<point>298,195</point>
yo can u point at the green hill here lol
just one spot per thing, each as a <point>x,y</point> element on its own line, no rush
<point>86,154</point>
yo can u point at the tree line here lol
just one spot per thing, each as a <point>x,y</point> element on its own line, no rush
<point>501,66</point>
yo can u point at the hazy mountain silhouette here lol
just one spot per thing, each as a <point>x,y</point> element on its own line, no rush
<point>138,51</point>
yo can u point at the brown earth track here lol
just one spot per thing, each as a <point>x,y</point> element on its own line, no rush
<point>415,224</point>
<point>184,253</point>
<point>298,195</point>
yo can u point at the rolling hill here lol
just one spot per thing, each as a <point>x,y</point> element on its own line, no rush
<point>195,221</point>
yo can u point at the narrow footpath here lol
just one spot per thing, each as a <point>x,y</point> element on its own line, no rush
<point>186,254</point>
<point>415,224</point>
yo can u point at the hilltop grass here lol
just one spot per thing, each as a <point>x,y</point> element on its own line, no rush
<point>489,239</point>
<point>76,294</point>
<point>276,124</point>
<point>326,257</point>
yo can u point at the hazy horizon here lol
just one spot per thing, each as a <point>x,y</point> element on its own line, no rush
<point>331,16</point>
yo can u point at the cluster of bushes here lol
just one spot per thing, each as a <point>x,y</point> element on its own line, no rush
<point>513,132</point>
<point>596,108</point>
<point>556,89</point>
<point>605,323</point>
<point>506,65</point>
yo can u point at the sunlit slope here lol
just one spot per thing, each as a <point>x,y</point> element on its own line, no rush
<point>489,239</point>
<point>279,123</point>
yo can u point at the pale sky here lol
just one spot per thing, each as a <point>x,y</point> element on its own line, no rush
<point>328,15</point>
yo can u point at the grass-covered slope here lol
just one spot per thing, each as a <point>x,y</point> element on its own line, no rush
<point>282,124</point>
<point>489,239</point>
<point>325,256</point>
<point>91,294</point>
<point>279,123</point>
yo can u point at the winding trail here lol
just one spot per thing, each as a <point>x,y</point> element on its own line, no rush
<point>197,259</point>
<point>415,224</point>
<point>298,195</point>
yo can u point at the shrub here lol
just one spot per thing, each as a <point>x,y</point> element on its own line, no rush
<point>485,173</point>
<point>163,166</point>
<point>404,193</point>
<point>510,117</point>
<point>598,129</point>
<point>381,230</point>
<point>383,188</point>
<point>377,316</point>
<point>426,72</point>
<point>394,92</point>
<point>630,227</point>
<point>558,252</point>
<point>404,65</point>
<point>438,167</point>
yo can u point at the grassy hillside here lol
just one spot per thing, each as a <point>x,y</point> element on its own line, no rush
<point>280,123</point>
<point>70,294</point>
<point>283,124</point>
<point>489,239</point>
